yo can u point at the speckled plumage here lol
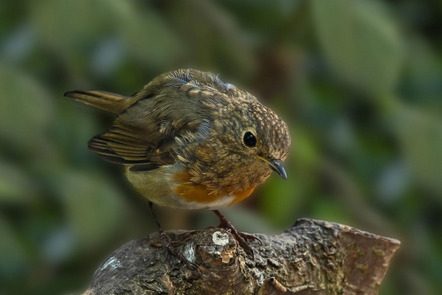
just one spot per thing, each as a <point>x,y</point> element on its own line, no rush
<point>181,139</point>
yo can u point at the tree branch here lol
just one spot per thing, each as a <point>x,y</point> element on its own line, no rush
<point>312,257</point>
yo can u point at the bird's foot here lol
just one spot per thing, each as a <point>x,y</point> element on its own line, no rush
<point>240,237</point>
<point>171,247</point>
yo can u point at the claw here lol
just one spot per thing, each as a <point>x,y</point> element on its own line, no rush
<point>240,237</point>
<point>171,246</point>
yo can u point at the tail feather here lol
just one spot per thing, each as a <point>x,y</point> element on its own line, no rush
<point>111,102</point>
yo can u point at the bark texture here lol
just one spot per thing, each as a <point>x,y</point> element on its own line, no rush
<point>312,257</point>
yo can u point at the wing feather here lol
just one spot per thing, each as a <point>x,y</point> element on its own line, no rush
<point>144,133</point>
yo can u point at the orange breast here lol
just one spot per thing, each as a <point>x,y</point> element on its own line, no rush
<point>200,194</point>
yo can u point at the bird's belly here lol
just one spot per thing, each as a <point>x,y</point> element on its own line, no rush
<point>213,205</point>
<point>166,187</point>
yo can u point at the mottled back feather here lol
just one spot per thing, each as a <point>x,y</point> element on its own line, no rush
<point>144,133</point>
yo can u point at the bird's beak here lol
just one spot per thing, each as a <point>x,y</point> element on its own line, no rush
<point>277,167</point>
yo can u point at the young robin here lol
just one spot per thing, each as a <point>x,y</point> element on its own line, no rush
<point>189,140</point>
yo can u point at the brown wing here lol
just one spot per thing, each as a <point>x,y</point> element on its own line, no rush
<point>138,136</point>
<point>122,144</point>
<point>144,134</point>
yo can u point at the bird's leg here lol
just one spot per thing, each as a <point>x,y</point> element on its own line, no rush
<point>157,223</point>
<point>168,244</point>
<point>241,237</point>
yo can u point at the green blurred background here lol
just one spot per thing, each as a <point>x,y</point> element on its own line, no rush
<point>359,83</point>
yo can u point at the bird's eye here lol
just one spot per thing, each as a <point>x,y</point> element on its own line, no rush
<point>249,139</point>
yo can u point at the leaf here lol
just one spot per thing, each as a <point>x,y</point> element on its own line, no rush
<point>423,76</point>
<point>15,186</point>
<point>69,27</point>
<point>93,207</point>
<point>359,41</point>
<point>14,260</point>
<point>25,110</point>
<point>212,38</point>
<point>420,135</point>
<point>74,28</point>
<point>145,34</point>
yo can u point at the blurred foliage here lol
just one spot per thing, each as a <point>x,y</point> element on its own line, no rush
<point>358,81</point>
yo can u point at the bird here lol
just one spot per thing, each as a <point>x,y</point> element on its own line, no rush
<point>189,140</point>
